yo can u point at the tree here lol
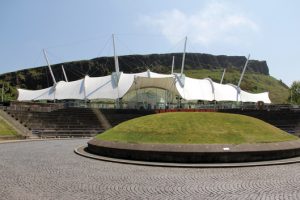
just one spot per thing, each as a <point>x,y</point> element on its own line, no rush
<point>295,93</point>
<point>7,92</point>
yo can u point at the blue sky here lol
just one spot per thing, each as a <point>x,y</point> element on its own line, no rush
<point>76,29</point>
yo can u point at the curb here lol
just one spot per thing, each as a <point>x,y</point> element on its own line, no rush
<point>81,150</point>
<point>40,139</point>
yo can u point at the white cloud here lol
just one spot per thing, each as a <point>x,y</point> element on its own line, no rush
<point>215,23</point>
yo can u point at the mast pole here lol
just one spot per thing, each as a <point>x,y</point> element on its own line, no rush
<point>117,71</point>
<point>173,60</point>
<point>223,76</point>
<point>115,56</point>
<point>241,78</point>
<point>49,66</point>
<point>65,75</point>
<point>2,91</point>
<point>183,57</point>
<point>242,75</point>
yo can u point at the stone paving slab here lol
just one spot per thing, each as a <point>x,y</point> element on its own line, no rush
<point>39,139</point>
<point>50,170</point>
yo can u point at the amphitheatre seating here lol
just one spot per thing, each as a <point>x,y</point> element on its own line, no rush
<point>67,122</point>
<point>117,116</point>
<point>78,122</point>
<point>72,122</point>
<point>287,120</point>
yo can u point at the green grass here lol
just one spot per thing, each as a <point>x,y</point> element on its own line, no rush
<point>6,130</point>
<point>252,82</point>
<point>195,128</point>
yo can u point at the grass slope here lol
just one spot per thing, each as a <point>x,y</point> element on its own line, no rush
<point>195,128</point>
<point>252,82</point>
<point>6,130</point>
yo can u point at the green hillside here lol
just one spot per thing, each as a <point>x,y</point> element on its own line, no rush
<point>6,130</point>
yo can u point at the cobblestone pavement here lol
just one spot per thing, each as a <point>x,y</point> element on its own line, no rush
<point>50,170</point>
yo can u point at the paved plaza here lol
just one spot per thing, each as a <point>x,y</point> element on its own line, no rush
<point>51,170</point>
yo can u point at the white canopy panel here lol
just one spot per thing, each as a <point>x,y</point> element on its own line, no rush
<point>100,88</point>
<point>31,95</point>
<point>126,81</point>
<point>117,85</point>
<point>249,97</point>
<point>70,90</point>
<point>106,87</point>
<point>195,89</point>
<point>225,92</point>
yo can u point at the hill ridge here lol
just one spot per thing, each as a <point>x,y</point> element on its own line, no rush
<point>102,66</point>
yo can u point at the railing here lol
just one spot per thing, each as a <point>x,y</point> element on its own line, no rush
<point>34,107</point>
<point>48,107</point>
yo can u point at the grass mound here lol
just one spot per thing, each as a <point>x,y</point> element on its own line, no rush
<point>195,128</point>
<point>6,130</point>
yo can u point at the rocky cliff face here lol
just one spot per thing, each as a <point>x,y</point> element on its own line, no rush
<point>39,77</point>
<point>192,61</point>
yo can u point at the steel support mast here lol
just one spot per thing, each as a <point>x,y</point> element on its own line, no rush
<point>2,93</point>
<point>49,66</point>
<point>65,75</point>
<point>244,69</point>
<point>115,55</point>
<point>183,57</point>
<point>223,76</point>
<point>173,60</point>
<point>116,75</point>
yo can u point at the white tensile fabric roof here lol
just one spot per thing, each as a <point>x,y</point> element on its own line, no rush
<point>107,87</point>
<point>195,89</point>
